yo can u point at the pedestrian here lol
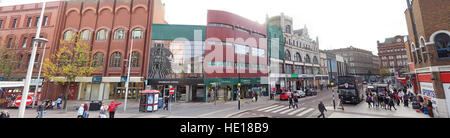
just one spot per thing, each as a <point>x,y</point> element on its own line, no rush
<point>166,103</point>
<point>405,100</point>
<point>209,97</point>
<point>58,103</point>
<point>4,114</point>
<point>321,109</point>
<point>341,104</point>
<point>256,97</point>
<point>295,102</point>
<point>391,104</point>
<point>430,108</point>
<point>86,113</point>
<point>103,110</point>
<point>375,100</point>
<point>400,95</point>
<point>40,110</point>
<point>386,102</point>
<point>80,111</point>
<point>369,100</point>
<point>397,99</point>
<point>112,109</point>
<point>380,100</point>
<point>290,102</point>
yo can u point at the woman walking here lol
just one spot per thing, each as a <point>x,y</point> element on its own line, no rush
<point>80,111</point>
<point>391,104</point>
<point>103,110</point>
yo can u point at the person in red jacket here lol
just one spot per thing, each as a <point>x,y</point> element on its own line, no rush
<point>112,109</point>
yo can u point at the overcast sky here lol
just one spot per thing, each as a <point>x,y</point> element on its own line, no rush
<point>337,23</point>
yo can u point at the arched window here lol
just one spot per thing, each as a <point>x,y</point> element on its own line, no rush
<point>116,59</point>
<point>297,57</point>
<point>288,28</point>
<point>424,49</point>
<point>68,35</point>
<point>137,33</point>
<point>135,59</point>
<point>85,35</point>
<point>413,52</point>
<point>315,61</point>
<point>287,55</point>
<point>119,34</point>
<point>102,34</point>
<point>307,59</point>
<point>441,42</point>
<point>98,59</point>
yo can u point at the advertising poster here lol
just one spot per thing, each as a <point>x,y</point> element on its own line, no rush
<point>150,99</point>
<point>428,91</point>
<point>447,95</point>
<point>149,108</point>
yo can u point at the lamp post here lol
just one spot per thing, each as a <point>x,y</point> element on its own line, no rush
<point>128,75</point>
<point>30,67</point>
<point>40,69</point>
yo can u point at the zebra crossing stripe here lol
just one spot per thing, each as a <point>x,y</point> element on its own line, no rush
<point>297,110</point>
<point>307,111</point>
<point>267,107</point>
<point>286,111</point>
<point>280,109</point>
<point>273,108</point>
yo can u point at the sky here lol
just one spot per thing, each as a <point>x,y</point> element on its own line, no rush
<point>337,23</point>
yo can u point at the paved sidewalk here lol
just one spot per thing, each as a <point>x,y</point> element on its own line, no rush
<point>179,110</point>
<point>363,111</point>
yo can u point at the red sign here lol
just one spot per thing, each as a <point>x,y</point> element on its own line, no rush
<point>19,99</point>
<point>171,90</point>
<point>274,89</point>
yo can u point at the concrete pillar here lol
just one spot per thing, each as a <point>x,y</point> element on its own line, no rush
<point>101,91</point>
<point>188,93</point>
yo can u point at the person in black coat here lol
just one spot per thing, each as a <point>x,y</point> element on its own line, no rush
<point>391,104</point>
<point>290,102</point>
<point>4,114</point>
<point>321,109</point>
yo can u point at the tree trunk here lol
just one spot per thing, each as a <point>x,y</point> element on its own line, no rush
<point>66,93</point>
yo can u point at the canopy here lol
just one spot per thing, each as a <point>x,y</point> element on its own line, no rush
<point>149,91</point>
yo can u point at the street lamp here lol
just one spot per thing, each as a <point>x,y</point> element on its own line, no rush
<point>30,67</point>
<point>41,40</point>
<point>128,75</point>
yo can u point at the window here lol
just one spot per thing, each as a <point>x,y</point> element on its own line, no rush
<point>424,49</point>
<point>288,69</point>
<point>298,70</point>
<point>137,33</point>
<point>258,52</point>
<point>98,59</point>
<point>243,30</point>
<point>24,44</point>
<point>37,21</point>
<point>10,42</point>
<point>1,24</point>
<point>241,49</point>
<point>85,35</point>
<point>44,23</point>
<point>30,20</point>
<point>102,34</point>
<point>116,59</point>
<point>441,42</point>
<point>220,25</point>
<point>297,57</point>
<point>68,35</point>
<point>135,59</point>
<point>288,29</point>
<point>307,59</point>
<point>20,62</point>
<point>287,55</point>
<point>119,34</point>
<point>14,24</point>
<point>391,63</point>
<point>315,61</point>
<point>36,61</point>
<point>391,57</point>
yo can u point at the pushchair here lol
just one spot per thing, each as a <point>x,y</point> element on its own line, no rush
<point>49,104</point>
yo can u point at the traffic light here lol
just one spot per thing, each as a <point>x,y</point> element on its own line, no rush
<point>332,84</point>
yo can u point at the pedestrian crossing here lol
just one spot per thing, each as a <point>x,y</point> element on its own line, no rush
<point>285,110</point>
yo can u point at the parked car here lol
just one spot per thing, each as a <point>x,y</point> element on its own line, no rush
<point>300,93</point>
<point>285,95</point>
<point>310,92</point>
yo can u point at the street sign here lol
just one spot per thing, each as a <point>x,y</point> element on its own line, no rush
<point>19,99</point>
<point>171,90</point>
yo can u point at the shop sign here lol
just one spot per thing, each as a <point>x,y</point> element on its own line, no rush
<point>123,79</point>
<point>427,89</point>
<point>294,75</point>
<point>96,79</point>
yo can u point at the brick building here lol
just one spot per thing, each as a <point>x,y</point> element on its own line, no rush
<point>392,55</point>
<point>429,50</point>
<point>108,26</point>
<point>360,62</point>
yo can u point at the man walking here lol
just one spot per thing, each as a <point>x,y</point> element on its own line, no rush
<point>112,109</point>
<point>40,110</point>
<point>321,109</point>
<point>295,102</point>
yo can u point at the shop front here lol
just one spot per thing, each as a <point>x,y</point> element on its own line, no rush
<point>108,88</point>
<point>186,89</point>
<point>226,88</point>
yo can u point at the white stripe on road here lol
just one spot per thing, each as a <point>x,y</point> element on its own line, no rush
<point>307,111</point>
<point>280,109</point>
<point>298,110</point>
<point>267,107</point>
<point>286,111</point>
<point>279,106</point>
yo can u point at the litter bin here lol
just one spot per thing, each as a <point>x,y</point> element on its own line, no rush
<point>95,105</point>
<point>149,100</point>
